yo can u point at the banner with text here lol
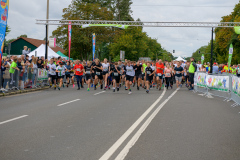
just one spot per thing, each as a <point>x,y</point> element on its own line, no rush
<point>236,85</point>
<point>42,75</point>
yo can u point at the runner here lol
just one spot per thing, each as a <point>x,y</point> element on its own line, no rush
<point>168,75</point>
<point>178,74</point>
<point>143,74</point>
<point>105,72</point>
<point>61,72</point>
<point>52,73</point>
<point>68,76</point>
<point>159,73</point>
<point>115,70</point>
<point>149,72</point>
<point>153,66</point>
<point>97,67</point>
<point>88,71</point>
<point>138,74</point>
<point>72,74</point>
<point>78,72</point>
<point>129,76</point>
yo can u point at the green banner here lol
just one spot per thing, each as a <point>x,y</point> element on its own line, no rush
<point>237,29</point>
<point>230,56</point>
<point>105,25</point>
<point>202,58</point>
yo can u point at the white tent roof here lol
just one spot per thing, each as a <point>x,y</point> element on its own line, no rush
<point>40,51</point>
<point>180,59</point>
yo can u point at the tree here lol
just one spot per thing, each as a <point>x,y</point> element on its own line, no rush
<point>24,35</point>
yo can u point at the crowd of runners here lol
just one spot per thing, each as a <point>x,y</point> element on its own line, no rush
<point>104,75</point>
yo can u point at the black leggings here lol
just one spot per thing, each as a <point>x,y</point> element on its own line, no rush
<point>168,79</point>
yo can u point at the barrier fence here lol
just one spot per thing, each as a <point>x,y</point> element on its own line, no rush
<point>22,79</point>
<point>226,86</point>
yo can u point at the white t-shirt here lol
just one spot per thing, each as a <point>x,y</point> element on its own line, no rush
<point>130,71</point>
<point>52,69</point>
<point>62,70</point>
<point>199,66</point>
<point>105,67</point>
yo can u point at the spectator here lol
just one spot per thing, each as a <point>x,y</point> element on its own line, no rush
<point>238,71</point>
<point>34,71</point>
<point>13,67</point>
<point>26,50</point>
<point>27,58</point>
<point>215,69</point>
<point>40,64</point>
<point>202,69</point>
<point>5,73</point>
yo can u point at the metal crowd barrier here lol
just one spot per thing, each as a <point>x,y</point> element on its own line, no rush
<point>226,86</point>
<point>22,79</point>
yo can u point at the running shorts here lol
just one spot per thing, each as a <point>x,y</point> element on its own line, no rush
<point>88,76</point>
<point>160,75</point>
<point>179,79</point>
<point>104,73</point>
<point>149,78</point>
<point>129,78</point>
<point>138,76</point>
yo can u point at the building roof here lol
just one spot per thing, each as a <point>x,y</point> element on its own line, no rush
<point>37,43</point>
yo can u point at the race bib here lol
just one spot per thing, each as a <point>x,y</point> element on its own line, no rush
<point>72,74</point>
<point>87,72</point>
<point>98,73</point>
<point>148,72</point>
<point>105,68</point>
<point>159,74</point>
<point>168,74</point>
<point>78,69</point>
<point>115,74</point>
<point>177,72</point>
<point>129,70</point>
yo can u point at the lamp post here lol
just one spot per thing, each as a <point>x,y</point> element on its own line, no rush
<point>46,49</point>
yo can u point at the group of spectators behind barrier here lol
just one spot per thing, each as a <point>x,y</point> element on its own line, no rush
<point>224,85</point>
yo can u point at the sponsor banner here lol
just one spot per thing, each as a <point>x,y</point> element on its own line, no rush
<point>219,83</point>
<point>236,85</point>
<point>202,79</point>
<point>105,25</point>
<point>42,75</point>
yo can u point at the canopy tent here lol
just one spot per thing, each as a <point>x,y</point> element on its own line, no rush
<point>63,55</point>
<point>180,59</point>
<point>40,51</point>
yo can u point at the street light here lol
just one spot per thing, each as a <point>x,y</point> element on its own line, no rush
<point>46,49</point>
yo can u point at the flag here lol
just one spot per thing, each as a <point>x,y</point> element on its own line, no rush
<point>70,37</point>
<point>230,56</point>
<point>237,29</point>
<point>94,45</point>
<point>3,24</point>
<point>202,58</point>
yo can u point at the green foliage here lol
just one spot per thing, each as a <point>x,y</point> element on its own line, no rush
<point>24,35</point>
<point>109,41</point>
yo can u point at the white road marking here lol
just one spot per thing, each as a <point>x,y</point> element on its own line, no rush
<point>116,145</point>
<point>134,139</point>
<point>68,102</point>
<point>13,119</point>
<point>99,93</point>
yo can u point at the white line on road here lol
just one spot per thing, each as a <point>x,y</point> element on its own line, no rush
<point>116,145</point>
<point>13,119</point>
<point>68,102</point>
<point>99,93</point>
<point>134,139</point>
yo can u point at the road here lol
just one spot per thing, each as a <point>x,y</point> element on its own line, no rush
<point>78,125</point>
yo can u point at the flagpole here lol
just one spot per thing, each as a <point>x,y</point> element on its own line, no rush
<point>211,61</point>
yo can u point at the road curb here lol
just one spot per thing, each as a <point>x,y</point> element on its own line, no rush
<point>22,91</point>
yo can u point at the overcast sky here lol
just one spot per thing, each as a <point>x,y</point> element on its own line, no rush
<point>22,19</point>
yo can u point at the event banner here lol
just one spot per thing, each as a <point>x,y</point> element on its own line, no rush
<point>3,24</point>
<point>202,58</point>
<point>94,45</point>
<point>105,25</point>
<point>219,83</point>
<point>236,85</point>
<point>42,75</point>
<point>70,37</point>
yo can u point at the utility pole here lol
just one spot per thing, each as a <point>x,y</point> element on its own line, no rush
<point>119,18</point>
<point>46,49</point>
<point>211,61</point>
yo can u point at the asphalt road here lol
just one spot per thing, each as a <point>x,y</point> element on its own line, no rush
<point>80,125</point>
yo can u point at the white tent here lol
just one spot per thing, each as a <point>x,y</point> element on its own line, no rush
<point>40,51</point>
<point>180,59</point>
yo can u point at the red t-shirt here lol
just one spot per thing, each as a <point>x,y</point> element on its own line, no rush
<point>159,66</point>
<point>78,68</point>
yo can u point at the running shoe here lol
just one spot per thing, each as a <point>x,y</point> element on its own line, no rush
<point>145,87</point>
<point>147,91</point>
<point>78,88</point>
<point>137,88</point>
<point>126,88</point>
<point>181,85</point>
<point>91,85</point>
<point>95,87</point>
<point>120,85</point>
<point>50,86</point>
<point>150,86</point>
<point>113,90</point>
<point>105,88</point>
<point>117,89</point>
<point>88,89</point>
<point>59,88</point>
<point>101,86</point>
<point>55,88</point>
<point>82,86</point>
<point>67,85</point>
<point>133,84</point>
<point>108,87</point>
<point>73,85</point>
<point>129,92</point>
<point>190,89</point>
<point>63,85</point>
